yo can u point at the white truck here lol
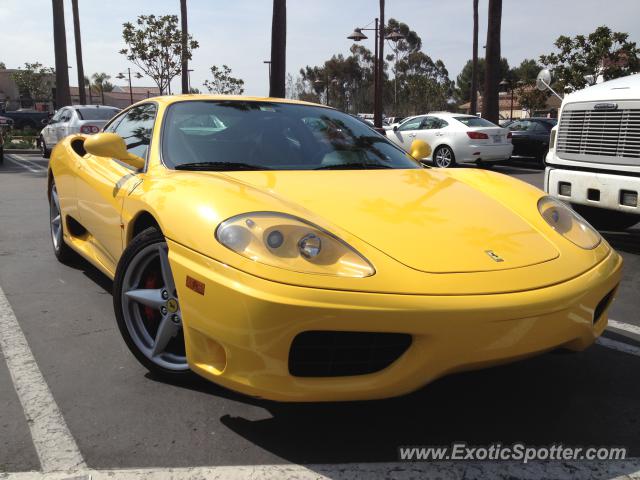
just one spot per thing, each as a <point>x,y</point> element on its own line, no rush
<point>594,153</point>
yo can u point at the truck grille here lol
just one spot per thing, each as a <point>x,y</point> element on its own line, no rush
<point>590,132</point>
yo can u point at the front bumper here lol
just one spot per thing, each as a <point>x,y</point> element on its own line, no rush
<point>609,188</point>
<point>239,331</point>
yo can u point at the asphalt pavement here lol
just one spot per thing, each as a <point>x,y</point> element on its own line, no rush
<point>120,417</point>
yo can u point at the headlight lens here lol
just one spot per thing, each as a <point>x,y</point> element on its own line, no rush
<point>568,223</point>
<point>288,242</point>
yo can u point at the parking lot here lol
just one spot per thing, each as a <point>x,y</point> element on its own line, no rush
<point>120,417</point>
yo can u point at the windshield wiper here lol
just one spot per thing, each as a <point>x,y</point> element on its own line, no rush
<point>219,166</point>
<point>353,166</point>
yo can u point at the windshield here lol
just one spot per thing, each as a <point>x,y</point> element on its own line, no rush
<point>96,113</point>
<point>472,121</point>
<point>236,134</point>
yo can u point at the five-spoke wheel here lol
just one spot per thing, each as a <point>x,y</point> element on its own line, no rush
<point>147,307</point>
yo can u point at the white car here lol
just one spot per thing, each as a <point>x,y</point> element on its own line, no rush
<point>455,138</point>
<point>87,119</point>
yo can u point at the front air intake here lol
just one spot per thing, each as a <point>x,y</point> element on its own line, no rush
<point>339,354</point>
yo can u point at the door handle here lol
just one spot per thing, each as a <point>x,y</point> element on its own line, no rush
<point>412,134</point>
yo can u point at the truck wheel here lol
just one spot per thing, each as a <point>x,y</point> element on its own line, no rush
<point>604,219</point>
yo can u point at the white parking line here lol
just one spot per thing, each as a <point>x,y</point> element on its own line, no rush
<point>620,346</point>
<point>627,327</point>
<point>24,163</point>
<point>56,448</point>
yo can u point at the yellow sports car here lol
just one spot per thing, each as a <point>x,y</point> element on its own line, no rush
<point>287,251</point>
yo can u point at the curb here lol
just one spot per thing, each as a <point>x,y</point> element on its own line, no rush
<point>21,150</point>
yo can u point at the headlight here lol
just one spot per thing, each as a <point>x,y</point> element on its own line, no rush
<point>285,241</point>
<point>568,223</point>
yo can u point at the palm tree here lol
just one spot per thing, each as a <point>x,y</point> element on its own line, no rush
<point>474,61</point>
<point>63,95</point>
<point>278,49</point>
<point>102,84</point>
<point>490,108</point>
<point>78,40</point>
<point>185,39</point>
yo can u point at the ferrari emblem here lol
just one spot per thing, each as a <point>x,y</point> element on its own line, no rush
<point>172,305</point>
<point>494,256</point>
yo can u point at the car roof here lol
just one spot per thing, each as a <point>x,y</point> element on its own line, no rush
<point>94,106</point>
<point>169,99</point>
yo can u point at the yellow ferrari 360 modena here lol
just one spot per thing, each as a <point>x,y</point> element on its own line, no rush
<point>285,250</point>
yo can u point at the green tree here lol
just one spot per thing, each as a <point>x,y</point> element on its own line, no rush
<point>102,84</point>
<point>527,71</point>
<point>154,44</point>
<point>223,82</point>
<point>603,52</point>
<point>2,66</point>
<point>462,92</point>
<point>35,81</point>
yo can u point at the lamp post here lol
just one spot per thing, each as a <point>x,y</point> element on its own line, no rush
<point>357,36</point>
<point>318,84</point>
<point>122,76</point>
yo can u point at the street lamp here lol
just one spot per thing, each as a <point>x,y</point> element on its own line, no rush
<point>358,36</point>
<point>122,76</point>
<point>506,86</point>
<point>319,84</point>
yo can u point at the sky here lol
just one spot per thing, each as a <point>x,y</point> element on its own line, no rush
<point>238,33</point>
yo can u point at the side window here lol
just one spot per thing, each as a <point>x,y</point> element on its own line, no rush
<point>430,123</point>
<point>65,116</point>
<point>56,117</point>
<point>442,123</point>
<point>413,124</point>
<point>136,128</point>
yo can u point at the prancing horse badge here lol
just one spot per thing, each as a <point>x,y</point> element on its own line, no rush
<point>494,256</point>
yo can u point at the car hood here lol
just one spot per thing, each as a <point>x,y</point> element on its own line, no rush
<point>427,219</point>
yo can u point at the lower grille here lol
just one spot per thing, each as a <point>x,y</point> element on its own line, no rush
<point>602,306</point>
<point>338,354</point>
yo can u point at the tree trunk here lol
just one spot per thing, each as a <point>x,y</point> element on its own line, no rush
<point>185,39</point>
<point>490,107</point>
<point>278,49</point>
<point>63,96</point>
<point>76,33</point>
<point>474,62</point>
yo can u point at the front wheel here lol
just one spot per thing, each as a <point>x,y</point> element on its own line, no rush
<point>443,157</point>
<point>146,305</point>
<point>604,219</point>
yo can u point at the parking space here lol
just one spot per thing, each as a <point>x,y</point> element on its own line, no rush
<point>123,418</point>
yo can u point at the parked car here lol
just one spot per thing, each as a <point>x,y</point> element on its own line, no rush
<point>28,118</point>
<point>530,137</point>
<point>88,119</point>
<point>455,138</point>
<point>282,256</point>
<point>5,124</point>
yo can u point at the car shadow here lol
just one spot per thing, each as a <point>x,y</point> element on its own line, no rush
<point>587,398</point>
<point>625,241</point>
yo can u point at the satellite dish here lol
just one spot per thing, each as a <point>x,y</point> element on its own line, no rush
<point>543,81</point>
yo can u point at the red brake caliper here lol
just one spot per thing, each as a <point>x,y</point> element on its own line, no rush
<point>150,282</point>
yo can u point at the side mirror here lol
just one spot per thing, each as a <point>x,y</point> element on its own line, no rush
<point>395,128</point>
<point>111,145</point>
<point>420,149</point>
<point>543,82</point>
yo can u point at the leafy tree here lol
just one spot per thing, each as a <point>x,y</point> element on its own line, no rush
<point>35,81</point>
<point>154,44</point>
<point>602,52</point>
<point>463,80</point>
<point>223,83</point>
<point>194,90</point>
<point>2,66</point>
<point>527,71</point>
<point>102,84</point>
<point>531,98</point>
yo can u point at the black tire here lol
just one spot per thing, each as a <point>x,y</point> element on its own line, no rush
<point>445,151</point>
<point>484,165</point>
<point>63,252</point>
<point>148,238</point>
<point>603,219</point>
<point>44,151</point>
<point>542,156</point>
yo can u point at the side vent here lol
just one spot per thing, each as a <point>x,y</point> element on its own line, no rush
<point>77,144</point>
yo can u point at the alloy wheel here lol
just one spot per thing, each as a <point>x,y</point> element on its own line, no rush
<point>151,310</point>
<point>55,219</point>
<point>444,157</point>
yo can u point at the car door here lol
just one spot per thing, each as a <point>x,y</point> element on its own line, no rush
<point>63,124</point>
<point>104,182</point>
<point>406,133</point>
<point>429,131</point>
